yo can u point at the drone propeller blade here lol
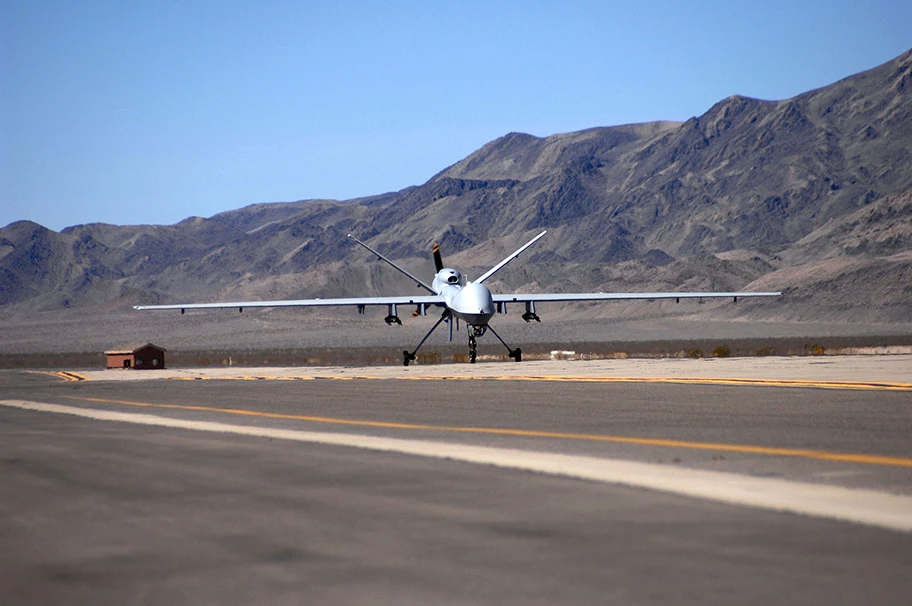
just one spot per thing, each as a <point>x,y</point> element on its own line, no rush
<point>438,260</point>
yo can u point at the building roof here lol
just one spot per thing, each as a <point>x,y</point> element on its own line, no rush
<point>132,349</point>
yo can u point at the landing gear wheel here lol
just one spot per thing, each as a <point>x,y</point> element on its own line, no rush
<point>472,349</point>
<point>406,357</point>
<point>516,354</point>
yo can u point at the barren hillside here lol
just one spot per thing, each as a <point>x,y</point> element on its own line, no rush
<point>810,195</point>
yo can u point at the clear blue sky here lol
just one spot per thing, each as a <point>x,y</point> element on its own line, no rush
<point>149,112</point>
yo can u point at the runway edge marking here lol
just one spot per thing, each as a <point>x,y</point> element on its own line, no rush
<point>867,507</point>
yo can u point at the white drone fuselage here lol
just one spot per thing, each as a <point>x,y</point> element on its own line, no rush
<point>470,302</point>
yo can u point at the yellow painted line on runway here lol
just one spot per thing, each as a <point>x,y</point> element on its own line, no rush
<point>734,381</point>
<point>890,386</point>
<point>873,385</point>
<point>531,433</point>
<point>61,374</point>
<point>75,376</point>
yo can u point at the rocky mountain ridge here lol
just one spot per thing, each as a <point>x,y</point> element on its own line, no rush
<point>810,195</point>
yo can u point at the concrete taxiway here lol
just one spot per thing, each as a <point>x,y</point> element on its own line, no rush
<point>228,491</point>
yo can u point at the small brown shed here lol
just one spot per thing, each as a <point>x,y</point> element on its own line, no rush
<point>140,357</point>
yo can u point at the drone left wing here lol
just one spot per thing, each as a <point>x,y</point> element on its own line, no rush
<point>356,302</point>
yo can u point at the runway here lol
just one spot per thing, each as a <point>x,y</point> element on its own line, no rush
<point>114,511</point>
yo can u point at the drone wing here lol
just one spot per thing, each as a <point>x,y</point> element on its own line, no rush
<point>355,302</point>
<point>621,296</point>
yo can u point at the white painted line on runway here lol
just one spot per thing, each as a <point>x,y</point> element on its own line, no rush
<point>893,512</point>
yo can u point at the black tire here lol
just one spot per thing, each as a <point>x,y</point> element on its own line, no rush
<point>406,356</point>
<point>517,354</point>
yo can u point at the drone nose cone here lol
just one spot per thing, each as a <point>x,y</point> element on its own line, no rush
<point>474,303</point>
<point>478,297</point>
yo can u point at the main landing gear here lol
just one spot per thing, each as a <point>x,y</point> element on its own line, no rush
<point>409,356</point>
<point>474,332</point>
<point>516,354</point>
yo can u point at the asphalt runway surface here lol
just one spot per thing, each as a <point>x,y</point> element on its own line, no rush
<point>95,510</point>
